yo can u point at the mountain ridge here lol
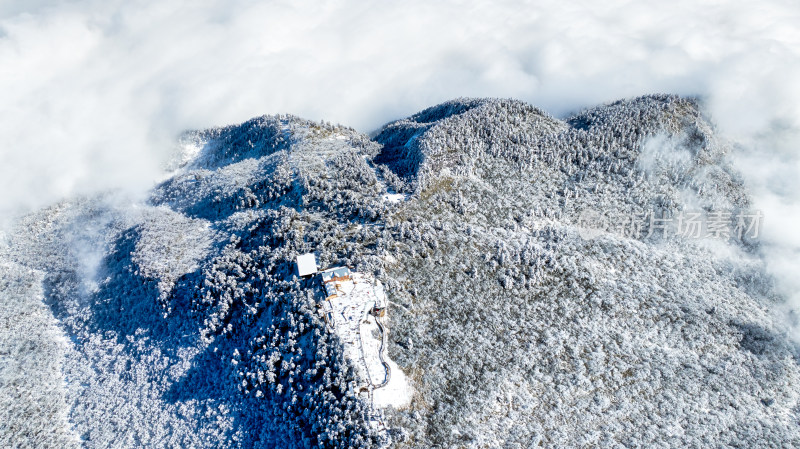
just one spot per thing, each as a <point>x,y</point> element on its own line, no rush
<point>515,325</point>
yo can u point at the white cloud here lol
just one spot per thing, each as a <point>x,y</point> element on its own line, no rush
<point>94,92</point>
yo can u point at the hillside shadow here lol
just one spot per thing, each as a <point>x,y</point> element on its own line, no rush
<point>129,304</point>
<point>127,308</point>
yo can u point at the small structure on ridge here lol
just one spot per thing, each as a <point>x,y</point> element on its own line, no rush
<point>306,264</point>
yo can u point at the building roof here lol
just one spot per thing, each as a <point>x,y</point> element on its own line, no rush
<point>306,264</point>
<point>337,272</point>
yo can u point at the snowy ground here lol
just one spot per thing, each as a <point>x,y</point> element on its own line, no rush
<point>395,197</point>
<point>348,312</point>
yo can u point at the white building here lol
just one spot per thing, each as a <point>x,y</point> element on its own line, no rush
<point>306,264</point>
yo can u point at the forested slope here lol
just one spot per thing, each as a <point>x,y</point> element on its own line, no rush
<point>518,328</point>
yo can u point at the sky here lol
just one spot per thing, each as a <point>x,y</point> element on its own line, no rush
<point>95,92</point>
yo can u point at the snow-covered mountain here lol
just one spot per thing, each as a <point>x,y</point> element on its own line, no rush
<point>543,290</point>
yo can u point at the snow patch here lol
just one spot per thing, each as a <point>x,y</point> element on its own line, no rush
<point>397,393</point>
<point>395,197</point>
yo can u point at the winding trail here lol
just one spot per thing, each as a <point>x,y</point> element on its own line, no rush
<point>381,353</point>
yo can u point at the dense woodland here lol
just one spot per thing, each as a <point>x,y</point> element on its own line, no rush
<point>184,323</point>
